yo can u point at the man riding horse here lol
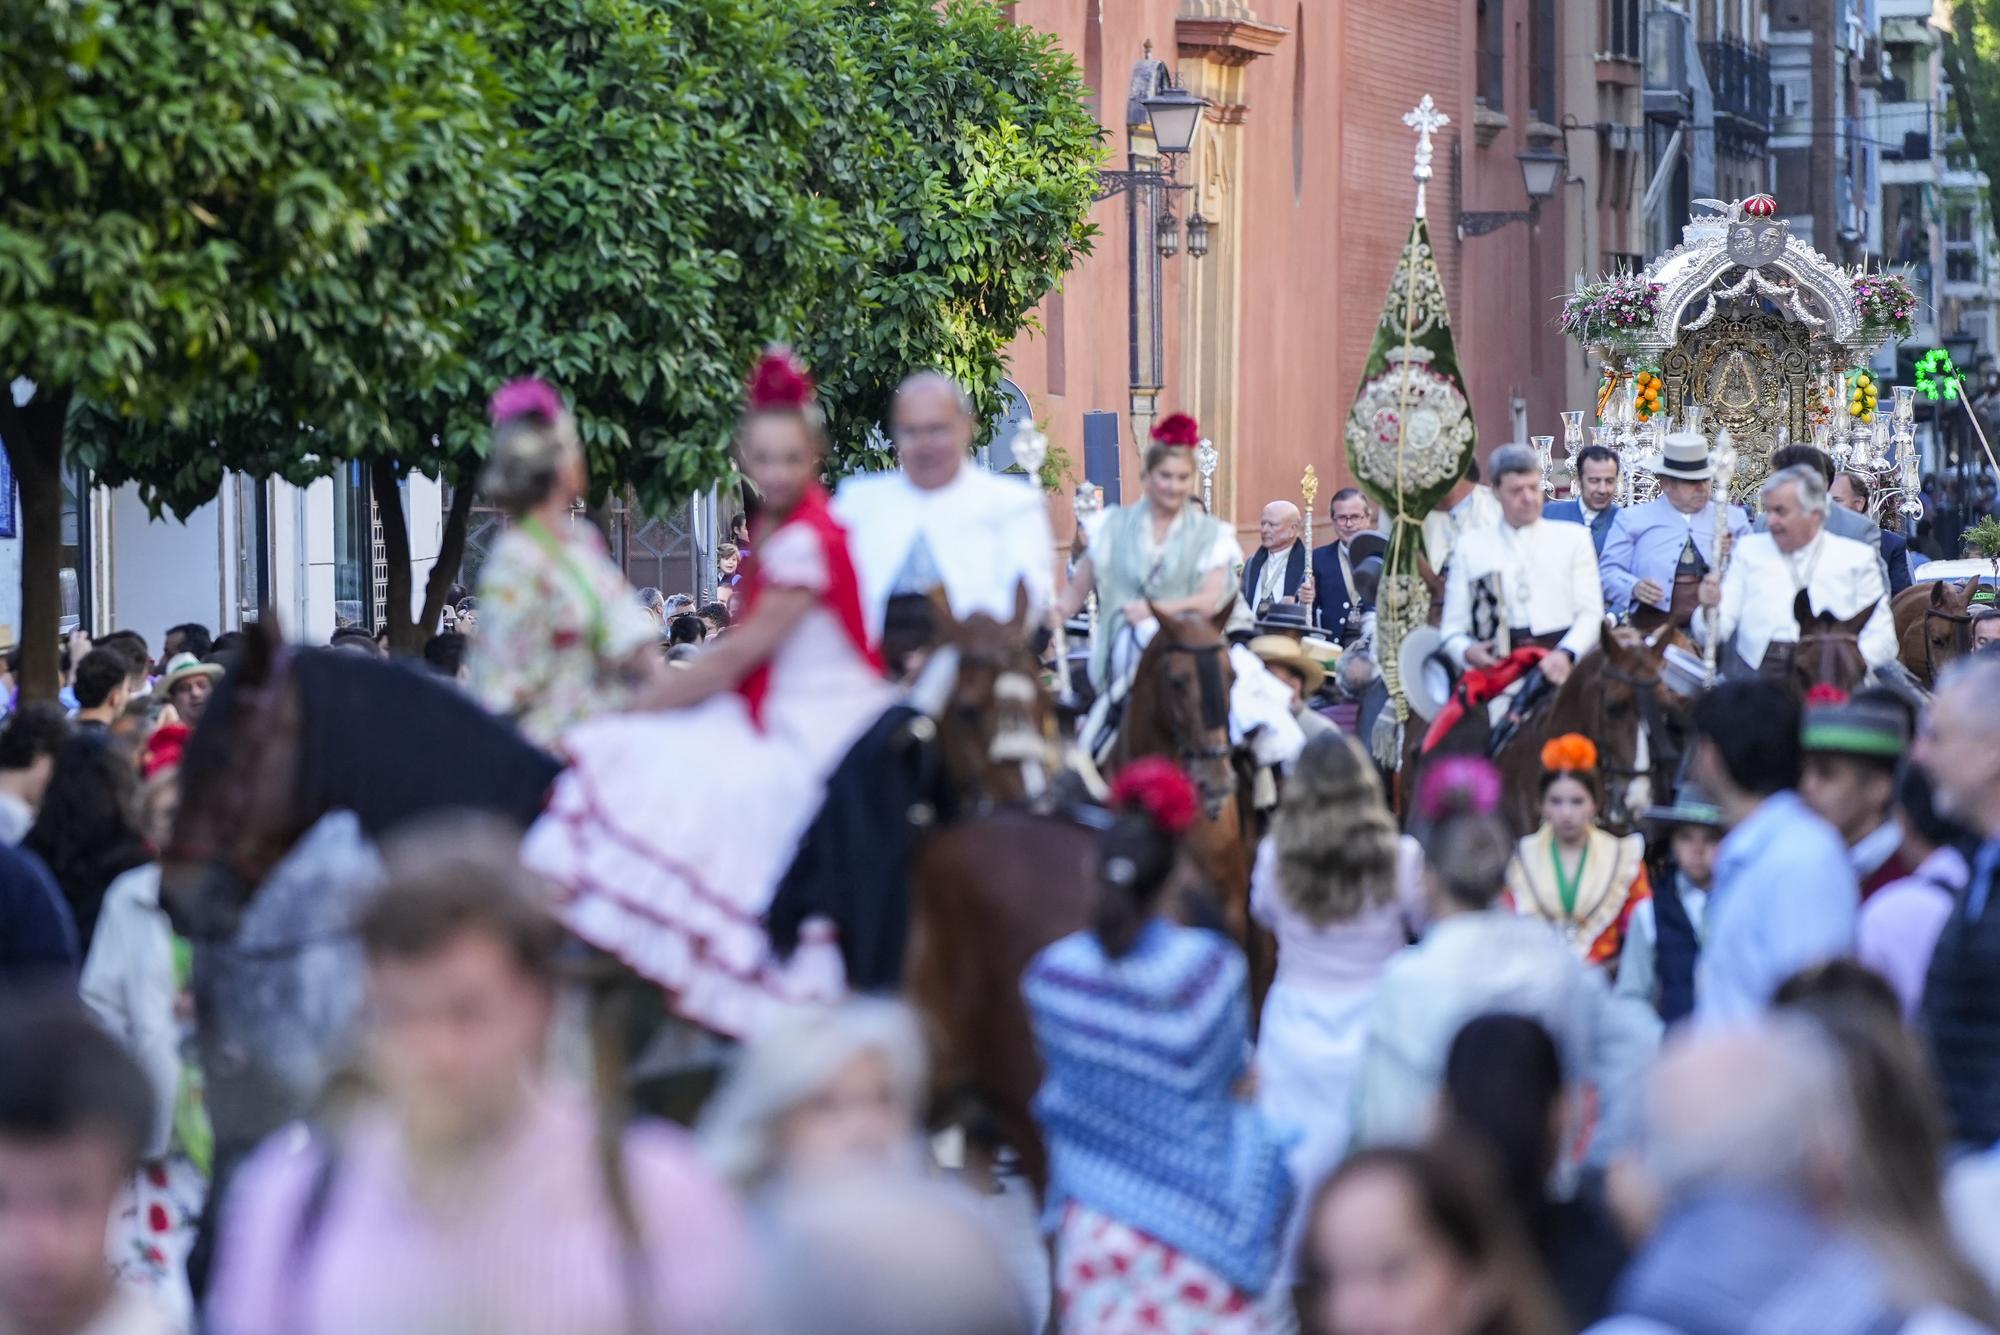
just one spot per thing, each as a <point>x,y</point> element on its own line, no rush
<point>1795,559</point>
<point>1522,596</point>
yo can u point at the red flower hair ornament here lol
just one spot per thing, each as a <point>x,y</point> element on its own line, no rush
<point>1178,430</point>
<point>1825,695</point>
<point>526,398</point>
<point>780,383</point>
<point>1158,788</point>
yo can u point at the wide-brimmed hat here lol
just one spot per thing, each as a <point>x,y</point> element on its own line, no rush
<point>1855,728</point>
<point>1366,545</point>
<point>1685,457</point>
<point>1281,651</point>
<point>1322,651</point>
<point>1286,619</point>
<point>1691,806</point>
<point>1426,682</point>
<point>184,667</point>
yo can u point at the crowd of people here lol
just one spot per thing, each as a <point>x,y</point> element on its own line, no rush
<point>1735,1068</point>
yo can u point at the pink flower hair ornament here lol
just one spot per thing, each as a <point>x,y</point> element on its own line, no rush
<point>529,397</point>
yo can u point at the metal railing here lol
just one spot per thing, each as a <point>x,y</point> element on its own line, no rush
<point>1740,77</point>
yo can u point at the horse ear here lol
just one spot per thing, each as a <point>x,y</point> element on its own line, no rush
<point>262,640</point>
<point>1852,626</point>
<point>1802,609</point>
<point>1022,606</point>
<point>1220,618</point>
<point>1937,593</point>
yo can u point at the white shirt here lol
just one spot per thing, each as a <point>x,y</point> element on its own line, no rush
<point>984,534</point>
<point>1840,575</point>
<point>1637,961</point>
<point>1271,580</point>
<point>1548,578</point>
<point>130,986</point>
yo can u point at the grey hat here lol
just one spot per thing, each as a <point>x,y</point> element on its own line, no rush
<point>1691,806</point>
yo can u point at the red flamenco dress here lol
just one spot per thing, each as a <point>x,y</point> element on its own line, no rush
<point>669,833</point>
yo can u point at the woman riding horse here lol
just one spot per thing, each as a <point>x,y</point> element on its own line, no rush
<point>1153,560</point>
<point>563,636</point>
<point>669,833</point>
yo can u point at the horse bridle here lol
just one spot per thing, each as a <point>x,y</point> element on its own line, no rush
<point>1619,777</point>
<point>1214,700</point>
<point>1828,644</point>
<point>1961,636</point>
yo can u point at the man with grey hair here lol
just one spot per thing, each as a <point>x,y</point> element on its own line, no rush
<point>1754,605</point>
<point>940,523</point>
<point>1524,581</point>
<point>1748,1132</point>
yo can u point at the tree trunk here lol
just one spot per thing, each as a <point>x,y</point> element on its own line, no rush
<point>451,555</point>
<point>396,552</point>
<point>34,438</point>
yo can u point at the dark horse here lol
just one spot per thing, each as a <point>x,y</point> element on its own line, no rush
<point>1829,649</point>
<point>1618,698</point>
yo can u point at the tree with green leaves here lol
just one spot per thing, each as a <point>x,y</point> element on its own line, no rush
<point>1972,61</point>
<point>193,202</point>
<point>889,185</point>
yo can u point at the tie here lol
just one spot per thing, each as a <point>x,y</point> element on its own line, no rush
<point>1982,880</point>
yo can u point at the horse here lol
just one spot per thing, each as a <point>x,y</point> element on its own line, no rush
<point>1828,651</point>
<point>1617,697</point>
<point>1933,627</point>
<point>996,724</point>
<point>1178,707</point>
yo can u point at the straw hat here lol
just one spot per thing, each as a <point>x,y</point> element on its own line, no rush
<point>1426,683</point>
<point>1281,651</point>
<point>183,667</point>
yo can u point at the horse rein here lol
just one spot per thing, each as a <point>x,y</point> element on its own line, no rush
<point>1648,705</point>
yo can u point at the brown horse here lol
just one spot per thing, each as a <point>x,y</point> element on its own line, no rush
<point>1178,707</point>
<point>1829,648</point>
<point>1933,626</point>
<point>996,728</point>
<point>1618,698</point>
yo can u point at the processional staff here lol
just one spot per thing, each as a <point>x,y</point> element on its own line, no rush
<point>1206,457</point>
<point>1723,471</point>
<point>1089,501</point>
<point>1031,449</point>
<point>1309,492</point>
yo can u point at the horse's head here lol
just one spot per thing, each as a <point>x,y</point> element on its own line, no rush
<point>239,790</point>
<point>1829,649</point>
<point>1621,697</point>
<point>997,724</point>
<point>1931,642</point>
<point>1181,693</point>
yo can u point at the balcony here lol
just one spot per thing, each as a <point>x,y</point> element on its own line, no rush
<point>1903,131</point>
<point>1740,76</point>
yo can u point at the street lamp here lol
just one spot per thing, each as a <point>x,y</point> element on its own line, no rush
<point>1542,171</point>
<point>1176,116</point>
<point>1961,345</point>
<point>1197,234</point>
<point>1167,234</point>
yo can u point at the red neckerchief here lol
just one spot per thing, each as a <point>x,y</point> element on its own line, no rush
<point>842,596</point>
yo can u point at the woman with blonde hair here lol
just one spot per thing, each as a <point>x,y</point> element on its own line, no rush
<point>1342,892</point>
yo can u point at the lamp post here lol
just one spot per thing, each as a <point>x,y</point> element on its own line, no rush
<point>1542,171</point>
<point>1175,116</point>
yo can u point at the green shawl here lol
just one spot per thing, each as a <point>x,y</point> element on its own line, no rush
<point>1125,571</point>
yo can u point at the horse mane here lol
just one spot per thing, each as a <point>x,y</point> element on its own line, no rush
<point>391,742</point>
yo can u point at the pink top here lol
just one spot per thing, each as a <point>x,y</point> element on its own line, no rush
<point>1339,956</point>
<point>531,1249</point>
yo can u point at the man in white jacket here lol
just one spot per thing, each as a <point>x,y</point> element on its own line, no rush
<point>1796,554</point>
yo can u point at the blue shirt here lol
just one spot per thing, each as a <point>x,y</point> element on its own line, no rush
<point>1785,898</point>
<point>1645,543</point>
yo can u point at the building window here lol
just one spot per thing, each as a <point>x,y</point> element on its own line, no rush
<point>1619,28</point>
<point>1093,55</point>
<point>1490,55</point>
<point>1542,61</point>
<point>1961,243</point>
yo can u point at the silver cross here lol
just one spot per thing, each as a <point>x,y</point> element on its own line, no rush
<point>1426,120</point>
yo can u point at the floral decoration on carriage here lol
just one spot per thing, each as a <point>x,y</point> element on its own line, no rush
<point>1744,328</point>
